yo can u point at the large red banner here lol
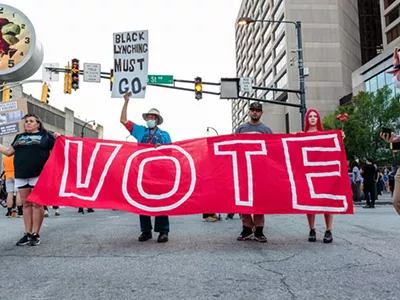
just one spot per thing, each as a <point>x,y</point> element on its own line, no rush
<point>246,173</point>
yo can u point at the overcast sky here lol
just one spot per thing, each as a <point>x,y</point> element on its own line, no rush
<point>187,38</point>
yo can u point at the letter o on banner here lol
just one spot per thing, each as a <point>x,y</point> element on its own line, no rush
<point>161,196</point>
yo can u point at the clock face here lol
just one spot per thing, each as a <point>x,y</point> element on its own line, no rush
<point>17,39</point>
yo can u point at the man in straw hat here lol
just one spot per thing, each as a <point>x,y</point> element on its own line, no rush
<point>151,134</point>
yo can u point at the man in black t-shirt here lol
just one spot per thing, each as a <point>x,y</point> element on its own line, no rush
<point>370,175</point>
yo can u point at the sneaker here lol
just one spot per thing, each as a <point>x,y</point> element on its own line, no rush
<point>312,237</point>
<point>259,235</point>
<point>246,234</point>
<point>90,210</point>
<point>80,211</point>
<point>46,214</point>
<point>162,237</point>
<point>35,239</point>
<point>57,213</point>
<point>8,214</point>
<point>328,237</point>
<point>229,217</point>
<point>25,240</point>
<point>146,235</point>
<point>210,219</point>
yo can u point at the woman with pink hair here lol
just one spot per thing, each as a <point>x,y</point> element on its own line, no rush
<point>312,123</point>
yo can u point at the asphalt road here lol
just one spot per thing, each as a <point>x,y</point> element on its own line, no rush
<point>97,256</point>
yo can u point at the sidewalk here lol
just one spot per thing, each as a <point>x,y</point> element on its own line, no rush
<point>385,199</point>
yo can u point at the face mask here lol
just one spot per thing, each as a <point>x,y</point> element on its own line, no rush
<point>151,123</point>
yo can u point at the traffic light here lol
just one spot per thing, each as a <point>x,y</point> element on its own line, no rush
<point>75,74</point>
<point>45,93</point>
<point>7,94</point>
<point>198,88</point>
<point>67,81</point>
<point>111,79</point>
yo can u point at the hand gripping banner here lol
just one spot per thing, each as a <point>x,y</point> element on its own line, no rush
<point>245,173</point>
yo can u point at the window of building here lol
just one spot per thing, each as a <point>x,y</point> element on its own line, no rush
<point>278,11</point>
<point>267,48</point>
<point>280,46</point>
<point>280,64</point>
<point>281,83</point>
<point>280,28</point>
<point>381,80</point>
<point>259,77</point>
<point>258,49</point>
<point>387,3</point>
<point>269,79</point>
<point>259,63</point>
<point>268,63</point>
<point>393,34</point>
<point>392,15</point>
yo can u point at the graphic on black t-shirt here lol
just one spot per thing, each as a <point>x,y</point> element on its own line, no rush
<point>31,153</point>
<point>28,140</point>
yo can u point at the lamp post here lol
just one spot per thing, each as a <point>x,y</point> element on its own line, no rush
<point>84,125</point>
<point>89,210</point>
<point>212,128</point>
<point>303,108</point>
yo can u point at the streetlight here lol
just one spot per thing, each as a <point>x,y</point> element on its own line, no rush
<point>246,21</point>
<point>84,125</point>
<point>208,130</point>
<point>90,210</point>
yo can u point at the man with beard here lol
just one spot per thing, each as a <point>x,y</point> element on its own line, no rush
<point>257,222</point>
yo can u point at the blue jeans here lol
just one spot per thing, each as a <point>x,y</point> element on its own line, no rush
<point>161,224</point>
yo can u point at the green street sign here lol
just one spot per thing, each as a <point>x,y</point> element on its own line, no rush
<point>160,79</point>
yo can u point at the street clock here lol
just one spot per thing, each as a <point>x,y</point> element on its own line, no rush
<point>21,55</point>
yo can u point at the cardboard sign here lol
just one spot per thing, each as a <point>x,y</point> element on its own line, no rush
<point>11,116</point>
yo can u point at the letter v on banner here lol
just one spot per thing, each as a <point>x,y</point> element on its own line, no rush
<point>72,184</point>
<point>242,167</point>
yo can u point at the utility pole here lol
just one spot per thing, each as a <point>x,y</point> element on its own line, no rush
<point>303,108</point>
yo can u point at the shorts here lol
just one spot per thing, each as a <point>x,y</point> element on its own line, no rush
<point>10,185</point>
<point>21,183</point>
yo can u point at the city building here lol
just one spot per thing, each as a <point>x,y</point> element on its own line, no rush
<point>371,75</point>
<point>267,52</point>
<point>55,120</point>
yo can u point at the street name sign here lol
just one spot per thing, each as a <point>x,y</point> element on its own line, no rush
<point>160,79</point>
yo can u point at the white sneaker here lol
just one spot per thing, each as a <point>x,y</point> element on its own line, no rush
<point>46,213</point>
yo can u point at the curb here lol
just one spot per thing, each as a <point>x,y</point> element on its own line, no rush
<point>376,203</point>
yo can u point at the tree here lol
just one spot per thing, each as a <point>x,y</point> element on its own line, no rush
<point>368,113</point>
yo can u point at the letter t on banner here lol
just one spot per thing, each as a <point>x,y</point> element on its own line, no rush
<point>131,61</point>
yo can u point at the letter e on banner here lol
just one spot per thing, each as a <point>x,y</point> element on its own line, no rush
<point>78,179</point>
<point>318,169</point>
<point>241,152</point>
<point>146,170</point>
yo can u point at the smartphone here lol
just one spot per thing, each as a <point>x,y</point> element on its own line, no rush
<point>386,131</point>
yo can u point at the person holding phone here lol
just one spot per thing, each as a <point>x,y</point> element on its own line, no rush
<point>391,137</point>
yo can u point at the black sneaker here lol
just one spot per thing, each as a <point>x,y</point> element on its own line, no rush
<point>162,237</point>
<point>312,237</point>
<point>25,240</point>
<point>8,214</point>
<point>328,237</point>
<point>80,211</point>
<point>229,217</point>
<point>145,236</point>
<point>246,234</point>
<point>35,239</point>
<point>259,235</point>
<point>90,210</point>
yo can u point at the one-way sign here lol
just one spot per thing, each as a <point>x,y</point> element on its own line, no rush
<point>91,72</point>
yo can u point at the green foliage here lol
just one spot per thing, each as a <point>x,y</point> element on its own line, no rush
<point>368,113</point>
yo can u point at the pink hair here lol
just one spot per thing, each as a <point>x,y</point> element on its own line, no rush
<point>307,122</point>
